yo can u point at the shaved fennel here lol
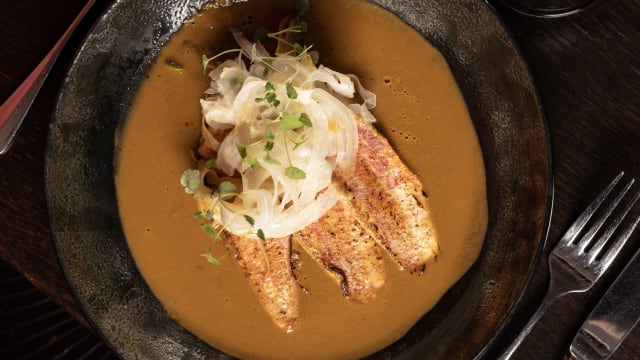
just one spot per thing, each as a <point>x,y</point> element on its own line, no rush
<point>290,125</point>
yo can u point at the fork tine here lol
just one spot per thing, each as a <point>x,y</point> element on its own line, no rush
<point>588,237</point>
<point>579,224</point>
<point>620,241</point>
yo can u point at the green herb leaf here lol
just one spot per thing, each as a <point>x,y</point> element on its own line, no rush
<point>269,136</point>
<point>304,118</point>
<point>270,160</point>
<point>242,150</point>
<point>291,92</point>
<point>260,234</point>
<point>249,220</point>
<point>251,161</point>
<point>269,86</point>
<point>299,49</point>
<point>208,214</point>
<point>198,215</point>
<point>268,146</point>
<point>265,72</point>
<point>206,60</point>
<point>259,100</point>
<point>205,63</point>
<point>295,173</point>
<point>297,144</point>
<point>190,180</point>
<point>211,164</point>
<point>209,230</point>
<point>227,187</point>
<point>271,97</point>
<point>210,258</point>
<point>290,122</point>
<point>174,65</point>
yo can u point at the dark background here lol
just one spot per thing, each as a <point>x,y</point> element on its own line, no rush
<point>586,68</point>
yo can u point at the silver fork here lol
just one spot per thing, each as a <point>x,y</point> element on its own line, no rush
<point>577,262</point>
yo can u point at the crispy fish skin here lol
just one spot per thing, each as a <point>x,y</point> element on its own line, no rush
<point>391,199</point>
<point>268,270</point>
<point>344,246</point>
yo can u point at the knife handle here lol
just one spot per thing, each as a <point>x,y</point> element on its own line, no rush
<point>613,318</point>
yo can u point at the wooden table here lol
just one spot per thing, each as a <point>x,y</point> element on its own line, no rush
<point>587,69</point>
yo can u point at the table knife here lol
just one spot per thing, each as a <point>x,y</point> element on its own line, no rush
<point>613,318</point>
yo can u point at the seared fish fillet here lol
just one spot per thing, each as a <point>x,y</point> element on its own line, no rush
<point>385,204</point>
<point>267,266</point>
<point>344,246</point>
<point>390,198</point>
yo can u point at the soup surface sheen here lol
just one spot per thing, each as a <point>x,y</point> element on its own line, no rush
<point>420,110</point>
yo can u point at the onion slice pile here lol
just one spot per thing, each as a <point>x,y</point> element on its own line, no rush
<point>290,124</point>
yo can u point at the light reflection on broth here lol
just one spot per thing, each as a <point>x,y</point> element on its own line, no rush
<point>420,110</point>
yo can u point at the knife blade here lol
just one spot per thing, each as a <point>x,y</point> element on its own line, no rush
<point>613,318</point>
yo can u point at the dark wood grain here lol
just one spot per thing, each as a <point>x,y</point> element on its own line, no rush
<point>587,69</point>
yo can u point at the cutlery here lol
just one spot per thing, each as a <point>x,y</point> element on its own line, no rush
<point>15,108</point>
<point>580,258</point>
<point>613,318</point>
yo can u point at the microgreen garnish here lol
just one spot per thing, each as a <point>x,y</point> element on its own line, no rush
<point>206,60</point>
<point>209,230</point>
<point>210,164</point>
<point>249,220</point>
<point>208,214</point>
<point>304,119</point>
<point>286,122</point>
<point>210,258</point>
<point>272,99</point>
<point>251,161</point>
<point>279,111</point>
<point>300,26</point>
<point>227,190</point>
<point>290,122</point>
<point>295,173</point>
<point>291,92</point>
<point>174,65</point>
<point>268,159</point>
<point>242,150</point>
<point>297,144</point>
<point>251,223</point>
<point>190,180</point>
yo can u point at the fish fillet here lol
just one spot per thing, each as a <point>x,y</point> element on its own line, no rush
<point>384,204</point>
<point>344,246</point>
<point>390,198</point>
<point>267,266</point>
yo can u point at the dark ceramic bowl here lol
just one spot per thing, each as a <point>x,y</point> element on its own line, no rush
<point>94,101</point>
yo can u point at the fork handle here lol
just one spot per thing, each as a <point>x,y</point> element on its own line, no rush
<point>548,300</point>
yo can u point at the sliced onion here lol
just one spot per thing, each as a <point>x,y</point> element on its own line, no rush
<point>278,204</point>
